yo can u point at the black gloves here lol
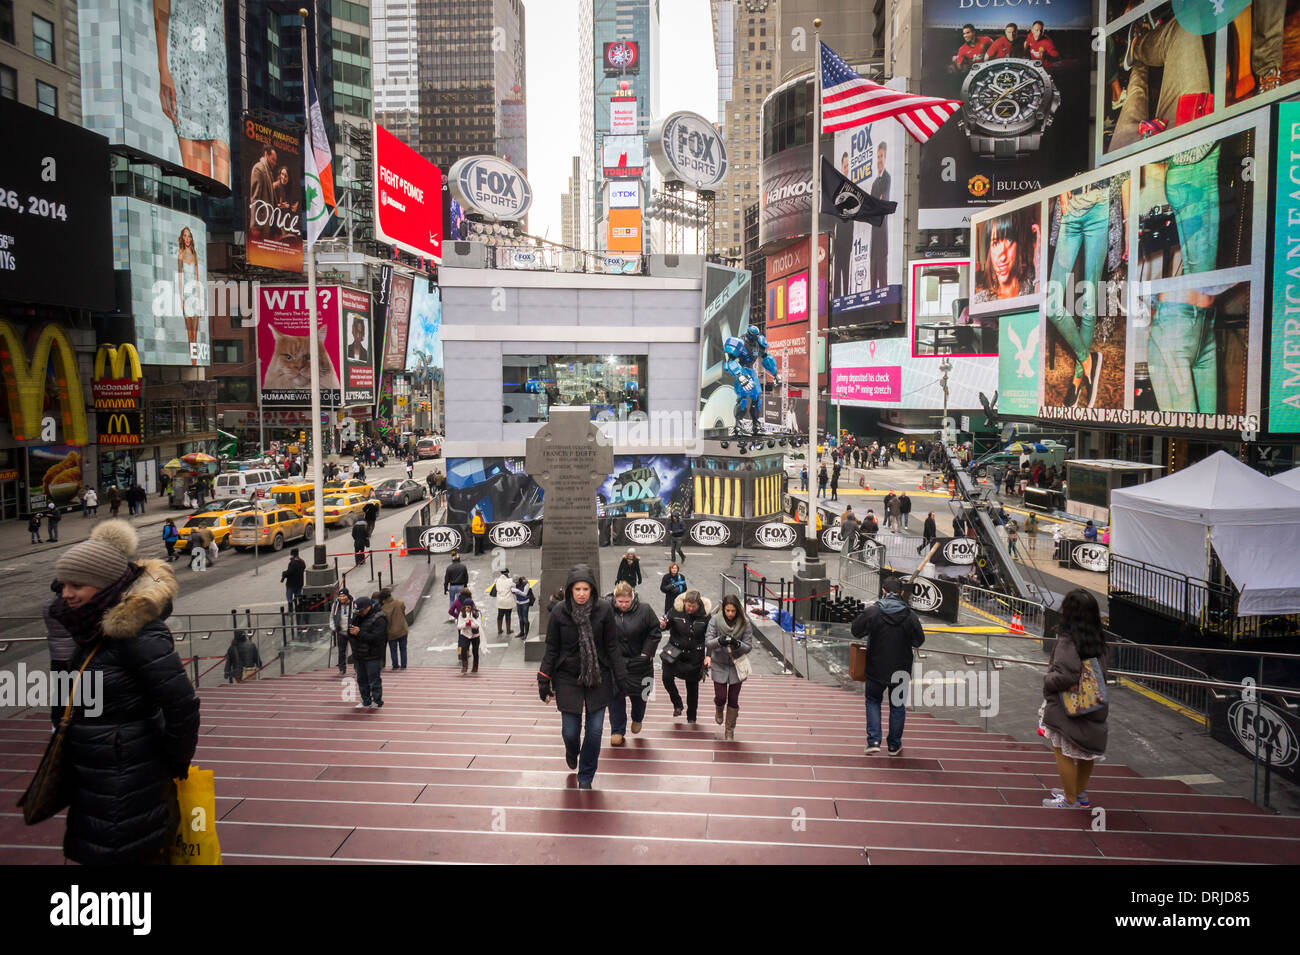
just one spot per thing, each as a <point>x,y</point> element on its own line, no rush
<point>544,687</point>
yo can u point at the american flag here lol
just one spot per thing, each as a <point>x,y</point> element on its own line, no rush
<point>848,101</point>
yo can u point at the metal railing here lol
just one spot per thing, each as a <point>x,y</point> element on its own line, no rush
<point>1006,608</point>
<point>1137,658</point>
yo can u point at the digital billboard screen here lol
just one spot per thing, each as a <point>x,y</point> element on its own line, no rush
<point>623,157</point>
<point>424,342</point>
<point>154,78</point>
<point>284,346</point>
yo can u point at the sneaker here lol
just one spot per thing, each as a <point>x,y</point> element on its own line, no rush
<point>1082,799</point>
<point>871,750</point>
<point>572,760</point>
<point>1071,395</point>
<point>1058,802</point>
<point>636,727</point>
<point>896,752</point>
<point>616,739</point>
<point>1094,378</point>
<point>1270,79</point>
<point>374,707</point>
<point>362,706</point>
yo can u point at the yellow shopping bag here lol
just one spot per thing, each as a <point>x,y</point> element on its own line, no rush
<point>196,836</point>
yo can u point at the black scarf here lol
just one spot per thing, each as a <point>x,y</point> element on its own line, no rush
<point>589,675</point>
<point>85,623</point>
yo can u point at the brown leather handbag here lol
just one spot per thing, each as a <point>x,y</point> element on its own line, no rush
<point>48,792</point>
<point>858,662</point>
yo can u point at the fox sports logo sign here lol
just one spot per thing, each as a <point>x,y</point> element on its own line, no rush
<point>833,538</point>
<point>777,535</point>
<point>1257,724</point>
<point>959,550</point>
<point>710,533</point>
<point>510,534</point>
<point>926,597</point>
<point>440,540</point>
<point>644,531</point>
<point>1094,557</point>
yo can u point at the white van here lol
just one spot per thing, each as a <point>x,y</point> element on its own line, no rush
<point>244,485</point>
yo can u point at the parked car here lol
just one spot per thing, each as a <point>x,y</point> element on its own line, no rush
<point>273,527</point>
<point>427,448</point>
<point>214,507</point>
<point>398,492</point>
<point>342,509</point>
<point>243,485</point>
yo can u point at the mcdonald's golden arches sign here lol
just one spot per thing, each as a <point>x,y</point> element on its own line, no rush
<point>25,383</point>
<point>119,391</point>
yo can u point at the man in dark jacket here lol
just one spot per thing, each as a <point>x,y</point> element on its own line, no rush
<point>241,657</point>
<point>904,508</point>
<point>583,668</point>
<point>454,579</point>
<point>928,533</point>
<point>629,569</point>
<point>369,633</point>
<point>360,541</point>
<point>835,482</point>
<point>370,510</point>
<point>677,531</point>
<point>293,577</point>
<point>891,630</point>
<point>638,638</point>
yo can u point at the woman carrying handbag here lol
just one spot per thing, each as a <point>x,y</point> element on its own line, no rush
<point>134,724</point>
<point>684,657</point>
<point>729,641</point>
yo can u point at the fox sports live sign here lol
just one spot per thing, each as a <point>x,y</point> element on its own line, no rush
<point>687,149</point>
<point>408,198</point>
<point>491,187</point>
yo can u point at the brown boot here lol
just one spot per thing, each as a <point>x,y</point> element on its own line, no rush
<point>732,713</point>
<point>717,712</point>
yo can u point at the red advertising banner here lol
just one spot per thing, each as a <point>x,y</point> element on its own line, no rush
<point>400,291</point>
<point>358,368</point>
<point>283,322</point>
<point>116,394</point>
<point>794,258</point>
<point>272,176</point>
<point>789,343</point>
<point>408,198</point>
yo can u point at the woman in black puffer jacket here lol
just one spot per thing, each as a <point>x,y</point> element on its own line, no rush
<point>687,627</point>
<point>638,638</point>
<point>583,668</point>
<point>139,731</point>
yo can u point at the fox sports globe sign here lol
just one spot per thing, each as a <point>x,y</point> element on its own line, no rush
<point>687,149</point>
<point>491,187</point>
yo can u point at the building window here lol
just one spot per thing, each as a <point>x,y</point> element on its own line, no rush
<point>7,20</point>
<point>234,391</point>
<point>8,83</point>
<point>43,38</point>
<point>47,98</point>
<point>227,351</point>
<point>613,385</point>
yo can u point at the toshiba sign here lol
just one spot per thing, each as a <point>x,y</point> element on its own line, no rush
<point>408,198</point>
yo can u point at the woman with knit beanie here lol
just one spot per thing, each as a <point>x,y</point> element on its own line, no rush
<point>583,667</point>
<point>728,639</point>
<point>139,730</point>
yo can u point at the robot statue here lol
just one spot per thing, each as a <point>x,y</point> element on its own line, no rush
<point>742,356</point>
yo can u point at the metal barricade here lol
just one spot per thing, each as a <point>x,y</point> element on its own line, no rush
<point>1135,658</point>
<point>1020,615</point>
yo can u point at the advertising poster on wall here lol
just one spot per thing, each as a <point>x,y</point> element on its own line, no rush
<point>1019,363</point>
<point>788,344</point>
<point>1021,73</point>
<point>881,373</point>
<point>358,365</point>
<point>787,273</point>
<point>283,323</point>
<point>622,115</point>
<point>408,198</point>
<point>941,320</point>
<point>53,200</point>
<point>54,473</point>
<point>167,254</point>
<point>623,157</point>
<point>499,487</point>
<point>624,233</point>
<point>1284,359</point>
<point>424,342</point>
<point>272,178</point>
<point>1006,271</point>
<point>651,484</point>
<point>1170,65</point>
<point>785,195</point>
<point>174,105</point>
<point>726,315</point>
<point>866,260</point>
<point>401,291</point>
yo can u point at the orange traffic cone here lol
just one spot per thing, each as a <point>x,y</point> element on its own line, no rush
<point>392,542</point>
<point>402,551</point>
<point>1016,625</point>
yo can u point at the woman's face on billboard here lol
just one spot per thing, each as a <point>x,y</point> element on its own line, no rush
<point>1003,253</point>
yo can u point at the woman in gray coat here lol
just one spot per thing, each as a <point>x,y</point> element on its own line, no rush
<point>728,639</point>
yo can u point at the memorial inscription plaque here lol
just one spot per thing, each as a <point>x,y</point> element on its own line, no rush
<point>570,458</point>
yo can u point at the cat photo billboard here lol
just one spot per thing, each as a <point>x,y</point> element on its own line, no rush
<point>283,349</point>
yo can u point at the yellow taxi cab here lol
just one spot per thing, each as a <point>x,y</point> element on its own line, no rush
<point>297,497</point>
<point>218,522</point>
<point>342,509</point>
<point>271,527</point>
<point>350,486</point>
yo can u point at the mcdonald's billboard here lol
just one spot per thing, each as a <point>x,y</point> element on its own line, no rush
<point>121,428</point>
<point>52,367</point>
<point>119,391</point>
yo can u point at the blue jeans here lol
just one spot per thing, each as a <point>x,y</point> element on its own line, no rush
<point>618,712</point>
<point>590,745</point>
<point>522,611</point>
<point>1193,192</point>
<point>369,682</point>
<point>291,595</point>
<point>875,691</point>
<point>1086,231</point>
<point>1182,359</point>
<point>395,648</point>
<point>453,592</point>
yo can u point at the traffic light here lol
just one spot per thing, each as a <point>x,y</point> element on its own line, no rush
<point>302,436</point>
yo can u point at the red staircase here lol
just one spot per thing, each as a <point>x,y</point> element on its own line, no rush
<point>471,769</point>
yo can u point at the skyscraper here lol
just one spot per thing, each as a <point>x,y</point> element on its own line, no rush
<point>472,94</point>
<point>396,68</point>
<point>571,208</point>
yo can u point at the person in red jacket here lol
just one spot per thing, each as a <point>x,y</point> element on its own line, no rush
<point>1039,46</point>
<point>1005,45</point>
<point>972,49</point>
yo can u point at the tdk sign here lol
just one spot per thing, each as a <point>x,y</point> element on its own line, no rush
<point>687,148</point>
<point>491,187</point>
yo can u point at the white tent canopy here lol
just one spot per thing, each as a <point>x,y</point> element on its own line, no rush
<point>1289,479</point>
<point>1253,523</point>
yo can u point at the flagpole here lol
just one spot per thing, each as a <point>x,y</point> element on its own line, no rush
<point>318,470</point>
<point>811,543</point>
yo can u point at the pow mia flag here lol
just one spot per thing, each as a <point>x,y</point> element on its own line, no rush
<point>844,200</point>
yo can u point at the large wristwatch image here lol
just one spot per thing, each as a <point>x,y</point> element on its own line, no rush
<point>1006,106</point>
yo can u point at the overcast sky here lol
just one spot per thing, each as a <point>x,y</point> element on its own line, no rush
<point>688,80</point>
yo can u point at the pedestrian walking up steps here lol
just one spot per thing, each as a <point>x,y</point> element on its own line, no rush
<point>471,769</point>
